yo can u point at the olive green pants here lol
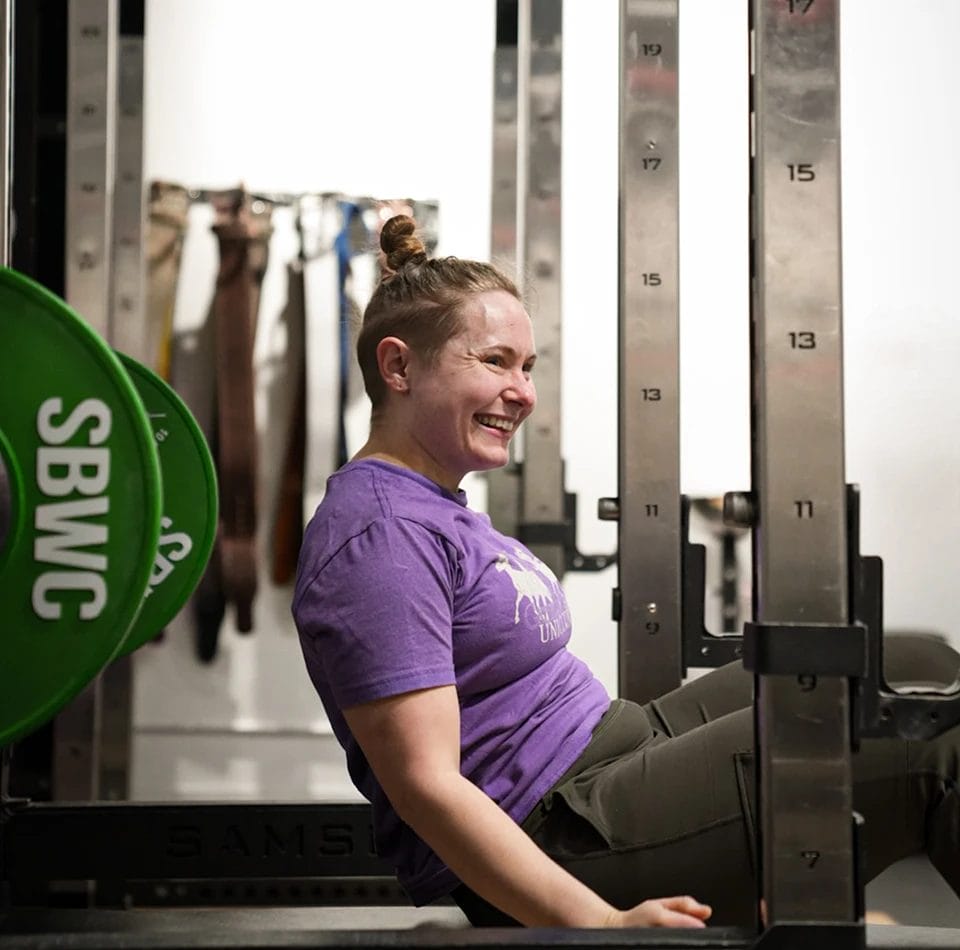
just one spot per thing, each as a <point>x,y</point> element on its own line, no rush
<point>662,801</point>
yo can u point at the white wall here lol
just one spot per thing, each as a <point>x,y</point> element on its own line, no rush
<point>902,233</point>
<point>375,97</point>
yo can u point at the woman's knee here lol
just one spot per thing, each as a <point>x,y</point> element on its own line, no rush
<point>924,659</point>
<point>716,694</point>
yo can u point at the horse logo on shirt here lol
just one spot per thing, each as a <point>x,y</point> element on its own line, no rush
<point>528,583</point>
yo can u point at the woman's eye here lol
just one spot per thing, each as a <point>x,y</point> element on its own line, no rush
<point>494,360</point>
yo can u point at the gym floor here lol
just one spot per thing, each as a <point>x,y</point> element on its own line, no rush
<point>913,893</point>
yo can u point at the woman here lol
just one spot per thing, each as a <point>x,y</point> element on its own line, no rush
<point>498,768</point>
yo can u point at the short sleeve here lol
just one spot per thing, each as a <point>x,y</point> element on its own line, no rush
<point>379,614</point>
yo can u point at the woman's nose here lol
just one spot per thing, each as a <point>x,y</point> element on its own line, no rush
<point>522,391</point>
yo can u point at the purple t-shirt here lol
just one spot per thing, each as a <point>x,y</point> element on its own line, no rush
<point>401,587</point>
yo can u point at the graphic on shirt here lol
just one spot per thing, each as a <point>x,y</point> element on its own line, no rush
<point>529,584</point>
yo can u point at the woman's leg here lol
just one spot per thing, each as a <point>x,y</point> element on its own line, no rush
<point>704,699</point>
<point>921,659</point>
<point>670,818</point>
<point>907,659</point>
<point>479,912</point>
<point>678,816</point>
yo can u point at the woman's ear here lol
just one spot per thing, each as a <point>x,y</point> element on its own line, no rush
<point>393,356</point>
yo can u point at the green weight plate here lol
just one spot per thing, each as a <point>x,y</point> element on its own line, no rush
<point>86,510</point>
<point>189,523</point>
<point>11,499</point>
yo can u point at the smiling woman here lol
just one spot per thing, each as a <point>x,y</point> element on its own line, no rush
<point>499,770</point>
<point>437,645</point>
<point>464,406</point>
<point>446,350</point>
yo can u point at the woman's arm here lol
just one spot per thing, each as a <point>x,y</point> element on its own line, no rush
<point>412,742</point>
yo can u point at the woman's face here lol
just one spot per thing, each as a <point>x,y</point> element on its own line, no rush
<point>469,402</point>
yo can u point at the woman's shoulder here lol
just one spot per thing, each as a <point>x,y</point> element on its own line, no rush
<point>374,489</point>
<point>370,523</point>
<point>369,495</point>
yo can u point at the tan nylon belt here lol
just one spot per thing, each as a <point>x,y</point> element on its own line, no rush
<point>168,209</point>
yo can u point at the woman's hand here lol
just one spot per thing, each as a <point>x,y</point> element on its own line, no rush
<point>663,912</point>
<point>412,742</point>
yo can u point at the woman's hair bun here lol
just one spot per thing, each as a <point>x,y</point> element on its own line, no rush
<point>399,243</point>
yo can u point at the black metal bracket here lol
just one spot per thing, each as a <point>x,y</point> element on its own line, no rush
<point>564,534</point>
<point>784,649</point>
<point>853,650</point>
<point>880,710</point>
<point>699,647</point>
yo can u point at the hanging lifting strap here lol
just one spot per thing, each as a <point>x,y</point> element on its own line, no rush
<point>350,241</point>
<point>242,235</point>
<point>288,519</point>
<point>168,209</point>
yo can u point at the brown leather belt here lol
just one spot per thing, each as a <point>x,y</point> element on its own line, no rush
<point>288,519</point>
<point>243,230</point>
